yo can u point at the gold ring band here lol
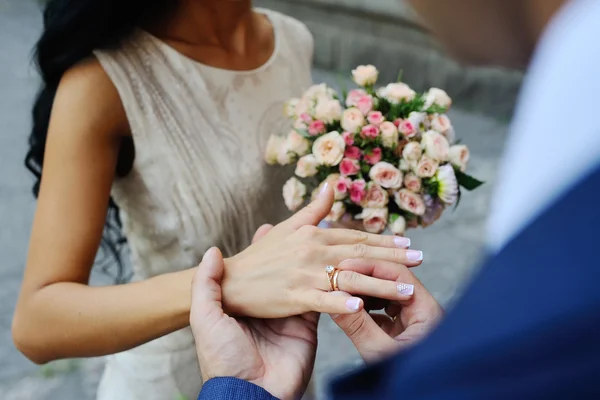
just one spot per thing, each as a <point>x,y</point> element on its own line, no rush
<point>335,280</point>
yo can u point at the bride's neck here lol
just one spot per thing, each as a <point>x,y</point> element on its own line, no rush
<point>223,23</point>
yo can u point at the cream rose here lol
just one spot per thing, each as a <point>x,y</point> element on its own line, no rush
<point>426,168</point>
<point>293,194</point>
<point>409,201</point>
<point>397,224</point>
<point>389,134</point>
<point>289,108</point>
<point>353,120</point>
<point>440,123</point>
<point>307,166</point>
<point>412,183</point>
<point>302,107</point>
<point>365,75</point>
<point>375,196</point>
<point>374,219</point>
<point>297,144</point>
<point>386,175</point>
<point>328,111</point>
<point>337,212</point>
<point>273,146</point>
<point>438,97</point>
<point>319,91</point>
<point>329,149</point>
<point>436,145</point>
<point>412,153</point>
<point>459,156</point>
<point>398,92</point>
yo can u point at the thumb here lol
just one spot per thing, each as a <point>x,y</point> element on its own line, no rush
<point>316,211</point>
<point>367,336</point>
<point>206,289</point>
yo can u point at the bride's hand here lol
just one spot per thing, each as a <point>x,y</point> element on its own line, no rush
<point>283,273</point>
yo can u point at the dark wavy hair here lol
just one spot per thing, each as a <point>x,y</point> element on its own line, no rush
<point>72,30</point>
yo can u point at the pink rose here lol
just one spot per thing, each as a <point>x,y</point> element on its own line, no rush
<point>354,96</point>
<point>375,118</point>
<point>357,191</point>
<point>426,168</point>
<point>349,167</point>
<point>412,183</point>
<point>348,138</point>
<point>374,219</point>
<point>409,201</point>
<point>389,135</point>
<point>412,153</point>
<point>337,211</point>
<point>397,122</point>
<point>353,152</point>
<point>293,194</point>
<point>365,104</point>
<point>329,149</point>
<point>374,156</point>
<point>386,175</point>
<point>306,118</point>
<point>352,120</point>
<point>459,156</point>
<point>369,131</point>
<point>436,146</point>
<point>316,128</point>
<point>407,128</point>
<point>307,166</point>
<point>342,186</point>
<point>375,196</point>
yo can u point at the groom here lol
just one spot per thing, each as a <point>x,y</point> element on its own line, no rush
<point>529,325</point>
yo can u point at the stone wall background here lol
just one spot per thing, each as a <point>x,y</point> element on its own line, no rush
<point>388,34</point>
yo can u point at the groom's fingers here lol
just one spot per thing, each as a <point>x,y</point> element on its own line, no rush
<point>206,288</point>
<point>372,342</point>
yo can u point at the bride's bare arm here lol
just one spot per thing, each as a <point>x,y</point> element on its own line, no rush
<point>58,315</point>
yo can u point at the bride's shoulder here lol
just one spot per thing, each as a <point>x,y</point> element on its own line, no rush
<point>292,27</point>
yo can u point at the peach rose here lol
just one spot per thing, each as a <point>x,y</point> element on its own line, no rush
<point>386,175</point>
<point>375,118</point>
<point>352,120</point>
<point>412,183</point>
<point>349,167</point>
<point>365,75</point>
<point>328,110</point>
<point>389,135</point>
<point>426,168</point>
<point>374,219</point>
<point>329,149</point>
<point>297,144</point>
<point>354,96</point>
<point>272,151</point>
<point>375,196</point>
<point>459,156</point>
<point>412,153</point>
<point>440,123</point>
<point>409,201</point>
<point>307,166</point>
<point>436,145</point>
<point>397,224</point>
<point>293,194</point>
<point>438,97</point>
<point>397,92</point>
<point>337,212</point>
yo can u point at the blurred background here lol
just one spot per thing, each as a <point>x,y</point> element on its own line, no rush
<point>347,33</point>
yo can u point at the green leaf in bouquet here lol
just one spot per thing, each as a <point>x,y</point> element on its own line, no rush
<point>303,132</point>
<point>431,186</point>
<point>467,181</point>
<point>365,168</point>
<point>457,200</point>
<point>400,73</point>
<point>393,217</point>
<point>436,109</point>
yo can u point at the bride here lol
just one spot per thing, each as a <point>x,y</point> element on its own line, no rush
<point>159,111</point>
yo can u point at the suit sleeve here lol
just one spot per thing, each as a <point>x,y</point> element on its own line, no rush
<point>233,389</point>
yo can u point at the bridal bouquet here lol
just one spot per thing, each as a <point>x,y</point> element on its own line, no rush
<point>389,153</point>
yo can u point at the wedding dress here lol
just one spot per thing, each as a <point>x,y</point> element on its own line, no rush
<point>199,179</point>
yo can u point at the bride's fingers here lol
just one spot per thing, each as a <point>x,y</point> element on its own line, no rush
<point>332,302</point>
<point>358,284</point>
<point>261,232</point>
<point>361,250</point>
<point>348,236</point>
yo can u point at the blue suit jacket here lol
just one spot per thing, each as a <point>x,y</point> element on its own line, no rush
<point>527,328</point>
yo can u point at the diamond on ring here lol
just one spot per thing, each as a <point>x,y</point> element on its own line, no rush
<point>329,269</point>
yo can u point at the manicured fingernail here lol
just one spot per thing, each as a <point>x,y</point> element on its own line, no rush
<point>406,289</point>
<point>353,303</point>
<point>402,241</point>
<point>414,255</point>
<point>324,188</point>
